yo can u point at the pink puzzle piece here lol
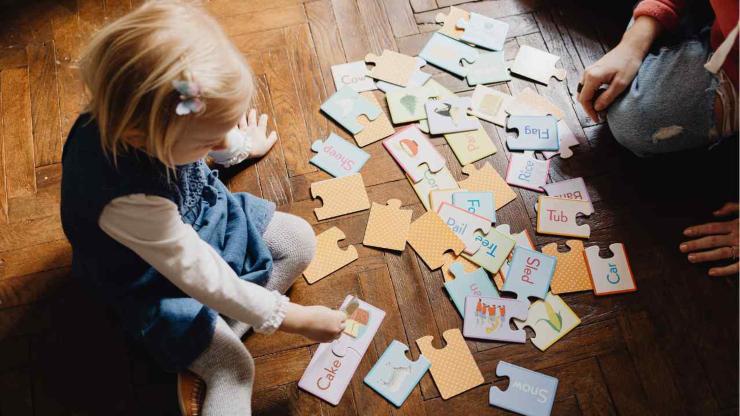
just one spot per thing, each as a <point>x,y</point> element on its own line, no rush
<point>411,149</point>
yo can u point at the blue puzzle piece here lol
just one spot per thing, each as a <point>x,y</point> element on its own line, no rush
<point>535,133</point>
<point>448,53</point>
<point>484,31</point>
<point>529,392</point>
<point>346,105</point>
<point>529,274</point>
<point>338,157</point>
<point>465,284</point>
<point>479,203</point>
<point>490,67</point>
<point>394,376</point>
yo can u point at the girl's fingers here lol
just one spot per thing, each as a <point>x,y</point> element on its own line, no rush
<point>703,243</point>
<point>242,124</point>
<point>262,125</point>
<point>271,139</point>
<point>252,117</point>
<point>592,80</point>
<point>724,271</point>
<point>711,255</point>
<point>727,209</point>
<point>711,228</point>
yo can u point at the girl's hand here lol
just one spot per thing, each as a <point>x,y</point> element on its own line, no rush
<point>318,323</point>
<point>718,241</point>
<point>256,132</point>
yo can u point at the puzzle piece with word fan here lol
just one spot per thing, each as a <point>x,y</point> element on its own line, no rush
<point>329,257</point>
<point>610,275</point>
<point>448,54</point>
<point>529,392</point>
<point>536,65</point>
<point>468,283</point>
<point>346,105</point>
<point>558,216</point>
<point>453,369</point>
<point>550,319</point>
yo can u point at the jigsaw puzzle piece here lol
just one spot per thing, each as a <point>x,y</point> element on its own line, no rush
<point>430,237</point>
<point>393,67</point>
<point>494,250</point>
<point>567,140</point>
<point>610,275</point>
<point>329,257</point>
<point>388,226</point>
<point>346,105</point>
<point>471,146</point>
<point>521,239</point>
<point>486,179</point>
<point>534,133</point>
<point>527,172</point>
<point>478,203</point>
<point>529,274</point>
<point>571,271</point>
<point>353,75</point>
<point>536,65</point>
<point>449,259</point>
<point>483,31</point>
<point>438,196</point>
<point>466,284</point>
<point>432,182</point>
<point>418,78</point>
<point>449,22</point>
<point>490,67</point>
<point>450,115</point>
<point>550,319</point>
<point>407,104</point>
<point>529,393</point>
<point>373,130</point>
<point>529,103</point>
<point>569,189</point>
<point>557,216</point>
<point>453,369</point>
<point>488,317</point>
<point>394,376</point>
<point>490,105</point>
<point>448,54</point>
<point>411,149</point>
<point>338,157</point>
<point>465,225</point>
<point>343,195</point>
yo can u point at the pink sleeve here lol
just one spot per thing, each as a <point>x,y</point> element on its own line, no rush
<point>666,12</point>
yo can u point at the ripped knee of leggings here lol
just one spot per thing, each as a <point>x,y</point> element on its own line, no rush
<point>667,133</point>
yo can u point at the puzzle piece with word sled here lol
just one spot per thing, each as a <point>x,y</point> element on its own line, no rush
<point>536,65</point>
<point>490,67</point>
<point>490,317</point>
<point>388,226</point>
<point>430,237</point>
<point>550,319</point>
<point>478,203</point>
<point>332,366</point>
<point>432,181</point>
<point>329,257</point>
<point>471,146</point>
<point>610,275</point>
<point>343,195</point>
<point>449,22</point>
<point>453,369</point>
<point>346,106</point>
<point>557,216</point>
<point>411,149</point>
<point>353,75</point>
<point>490,105</point>
<point>494,249</point>
<point>338,157</point>
<point>568,189</point>
<point>448,54</point>
<point>393,67</point>
<point>567,140</point>
<point>394,376</point>
<point>466,284</point>
<point>521,239</point>
<point>529,103</point>
<point>486,179</point>
<point>525,171</point>
<point>465,225</point>
<point>373,130</point>
<point>534,133</point>
<point>483,31</point>
<point>529,274</point>
<point>529,392</point>
<point>450,115</point>
<point>571,271</point>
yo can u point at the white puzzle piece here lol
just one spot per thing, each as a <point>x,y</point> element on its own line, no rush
<point>529,393</point>
<point>567,140</point>
<point>432,182</point>
<point>411,149</point>
<point>527,172</point>
<point>448,54</point>
<point>346,106</point>
<point>490,105</point>
<point>465,225</point>
<point>489,318</point>
<point>353,75</point>
<point>536,65</point>
<point>437,197</point>
<point>533,133</point>
<point>610,275</point>
<point>569,189</point>
<point>529,274</point>
<point>338,157</point>
<point>484,31</point>
<point>479,203</point>
<point>394,376</point>
<point>490,67</point>
<point>450,115</point>
<point>557,216</point>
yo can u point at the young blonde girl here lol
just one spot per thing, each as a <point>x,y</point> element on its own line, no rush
<point>187,265</point>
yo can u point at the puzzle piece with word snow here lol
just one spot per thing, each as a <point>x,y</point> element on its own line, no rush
<point>465,284</point>
<point>529,392</point>
<point>346,106</point>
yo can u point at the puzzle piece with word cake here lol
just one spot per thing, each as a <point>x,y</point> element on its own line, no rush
<point>529,274</point>
<point>465,284</point>
<point>557,216</point>
<point>490,318</point>
<point>338,157</point>
<point>448,54</point>
<point>550,319</point>
<point>329,257</point>
<point>346,106</point>
<point>453,369</point>
<point>610,275</point>
<point>343,195</point>
<point>413,151</point>
<point>529,392</point>
<point>394,376</point>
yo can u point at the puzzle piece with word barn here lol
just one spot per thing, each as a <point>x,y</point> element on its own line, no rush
<point>343,195</point>
<point>557,216</point>
<point>450,115</point>
<point>430,237</point>
<point>471,146</point>
<point>527,172</point>
<point>388,226</point>
<point>571,271</point>
<point>490,105</point>
<point>353,75</point>
<point>448,54</point>
<point>432,182</point>
<point>486,179</point>
<point>329,257</point>
<point>394,376</point>
<point>465,284</point>
<point>407,104</point>
<point>412,149</point>
<point>534,133</point>
<point>521,239</point>
<point>490,67</point>
<point>373,130</point>
<point>418,78</point>
<point>338,157</point>
<point>478,203</point>
<point>567,140</point>
<point>449,22</point>
<point>483,31</point>
<point>529,103</point>
<point>494,250</point>
<point>529,392</point>
<point>449,259</point>
<point>550,319</point>
<point>393,67</point>
<point>453,369</point>
<point>465,225</point>
<point>529,274</point>
<point>490,317</point>
<point>346,106</point>
<point>438,196</point>
<point>610,275</point>
<point>536,65</point>
<point>569,189</point>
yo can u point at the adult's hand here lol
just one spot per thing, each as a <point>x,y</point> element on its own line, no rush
<point>715,241</point>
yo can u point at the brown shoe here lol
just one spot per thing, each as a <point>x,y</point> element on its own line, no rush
<point>190,393</point>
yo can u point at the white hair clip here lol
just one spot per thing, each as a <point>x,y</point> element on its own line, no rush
<point>190,102</point>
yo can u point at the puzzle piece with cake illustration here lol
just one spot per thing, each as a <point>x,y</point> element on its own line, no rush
<point>536,65</point>
<point>471,146</point>
<point>529,392</point>
<point>465,224</point>
<point>558,216</point>
<point>346,105</point>
<point>490,318</point>
<point>394,376</point>
<point>529,274</point>
<point>490,105</point>
<point>534,133</point>
<point>329,257</point>
<point>486,179</point>
<point>521,239</point>
<point>610,275</point>
<point>478,203</point>
<point>353,75</point>
<point>418,78</point>
<point>411,149</point>
<point>525,171</point>
<point>571,271</point>
<point>449,22</point>
<point>567,140</point>
<point>450,115</point>
<point>465,284</point>
<point>388,226</point>
<point>432,181</point>
<point>430,237</point>
<point>494,249</point>
<point>448,54</point>
<point>338,157</point>
<point>453,369</point>
<point>569,189</point>
<point>483,31</point>
<point>373,130</point>
<point>449,259</point>
<point>550,319</point>
<point>393,67</point>
<point>490,67</point>
<point>529,103</point>
<point>343,195</point>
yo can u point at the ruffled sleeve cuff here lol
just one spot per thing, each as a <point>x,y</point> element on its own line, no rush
<point>239,147</point>
<point>273,322</point>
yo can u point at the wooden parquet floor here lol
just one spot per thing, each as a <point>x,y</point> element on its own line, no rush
<point>670,348</point>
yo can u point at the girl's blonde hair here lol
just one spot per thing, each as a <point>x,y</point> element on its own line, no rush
<point>130,64</point>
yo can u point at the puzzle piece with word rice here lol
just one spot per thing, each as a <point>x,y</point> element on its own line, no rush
<point>448,54</point>
<point>343,195</point>
<point>571,271</point>
<point>466,284</point>
<point>353,75</point>
<point>346,105</point>
<point>450,115</point>
<point>393,67</point>
<point>453,369</point>
<point>449,22</point>
<point>567,140</point>
<point>490,67</point>
<point>569,189</point>
<point>550,319</point>
<point>478,203</point>
<point>490,318</point>
<point>521,239</point>
<point>338,157</point>
<point>329,257</point>
<point>529,274</point>
<point>471,146</point>
<point>536,65</point>
<point>610,275</point>
<point>494,250</point>
<point>527,172</point>
<point>430,237</point>
<point>490,105</point>
<point>412,149</point>
<point>388,226</point>
<point>486,179</point>
<point>534,133</point>
<point>373,130</point>
<point>529,392</point>
<point>558,216</point>
<point>483,31</point>
<point>465,225</point>
<point>394,376</point>
<point>432,181</point>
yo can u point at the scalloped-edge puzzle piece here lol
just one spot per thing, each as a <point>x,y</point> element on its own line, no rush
<point>432,182</point>
<point>558,216</point>
<point>529,103</point>
<point>550,319</point>
<point>353,75</point>
<point>329,257</point>
<point>490,67</point>
<point>486,179</point>
<point>449,259</point>
<point>388,226</point>
<point>529,392</point>
<point>343,195</point>
<point>453,369</point>
<point>610,275</point>
<point>483,31</point>
<point>418,78</point>
<point>394,376</point>
<point>430,237</point>
<point>521,239</point>
<point>571,271</point>
<point>567,140</point>
<point>465,224</point>
<point>533,133</point>
<point>529,274</point>
<point>346,106</point>
<point>489,318</point>
<point>471,146</point>
<point>494,250</point>
<point>450,115</point>
<point>338,157</point>
<point>475,283</point>
<point>569,189</point>
<point>490,105</point>
<point>448,54</point>
<point>449,22</point>
<point>411,149</point>
<point>393,67</point>
<point>478,203</point>
<point>536,65</point>
<point>527,172</point>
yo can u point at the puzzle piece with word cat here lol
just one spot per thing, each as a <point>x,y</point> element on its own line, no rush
<point>412,149</point>
<point>407,104</point>
<point>490,105</point>
<point>610,275</point>
<point>571,271</point>
<point>494,249</point>
<point>329,257</point>
<point>346,105</point>
<point>438,196</point>
<point>388,226</point>
<point>373,130</point>
<point>393,67</point>
<point>332,366</point>
<point>465,224</point>
<point>449,22</point>
<point>527,172</point>
<point>529,274</point>
<point>343,195</point>
<point>353,75</point>
<point>490,318</point>
<point>484,31</point>
<point>569,189</point>
<point>465,284</point>
<point>453,369</point>
<point>471,146</point>
<point>536,65</point>
<point>490,67</point>
<point>338,157</point>
<point>448,54</point>
<point>550,319</point>
<point>529,103</point>
<point>394,376</point>
<point>534,133</point>
<point>449,259</point>
<point>450,115</point>
<point>529,392</point>
<point>486,179</point>
<point>432,182</point>
<point>478,203</point>
<point>430,237</point>
<point>567,140</point>
<point>418,78</point>
<point>558,216</point>
<point>521,239</point>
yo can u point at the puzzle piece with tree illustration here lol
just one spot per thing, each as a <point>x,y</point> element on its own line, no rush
<point>430,237</point>
<point>394,376</point>
<point>338,157</point>
<point>536,65</point>
<point>486,179</point>
<point>448,54</point>
<point>489,317</point>
<point>453,369</point>
<point>329,257</point>
<point>343,195</point>
<point>407,104</point>
<point>529,393</point>
<point>466,225</point>
<point>393,67</point>
<point>346,105</point>
<point>465,284</point>
<point>388,226</point>
<point>494,250</point>
<point>529,274</point>
<point>533,133</point>
<point>483,31</point>
<point>610,275</point>
<point>558,216</point>
<point>550,319</point>
<point>449,22</point>
<point>450,115</point>
<point>571,271</point>
<point>411,149</point>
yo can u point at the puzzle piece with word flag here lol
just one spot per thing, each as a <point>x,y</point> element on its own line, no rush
<point>490,318</point>
<point>550,319</point>
<point>465,284</point>
<point>393,67</point>
<point>610,275</point>
<point>394,376</point>
<point>338,157</point>
<point>453,369</point>
<point>571,271</point>
<point>557,216</point>
<point>486,179</point>
<point>346,106</point>
<point>529,392</point>
<point>388,226</point>
<point>329,257</point>
<point>343,195</point>
<point>534,133</point>
<point>430,237</point>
